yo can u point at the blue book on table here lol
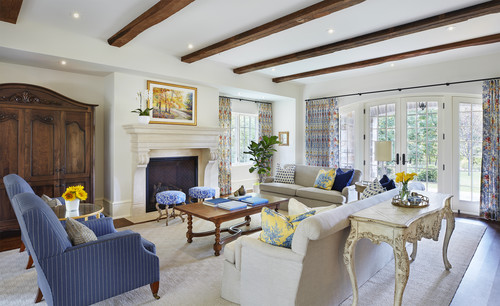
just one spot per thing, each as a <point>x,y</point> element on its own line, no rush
<point>255,201</point>
<point>217,200</point>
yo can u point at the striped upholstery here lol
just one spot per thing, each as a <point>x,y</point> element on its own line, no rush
<point>85,274</point>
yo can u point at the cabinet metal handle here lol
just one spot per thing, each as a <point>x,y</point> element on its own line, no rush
<point>397,158</point>
<point>404,159</point>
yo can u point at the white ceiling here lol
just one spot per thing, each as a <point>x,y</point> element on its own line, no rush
<point>205,22</point>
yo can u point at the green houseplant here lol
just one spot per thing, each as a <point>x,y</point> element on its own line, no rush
<point>261,153</point>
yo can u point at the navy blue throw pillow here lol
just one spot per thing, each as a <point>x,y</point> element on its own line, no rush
<point>384,180</point>
<point>342,179</point>
<point>389,185</point>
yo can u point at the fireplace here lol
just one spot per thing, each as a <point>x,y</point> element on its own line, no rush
<point>170,173</point>
<point>152,141</point>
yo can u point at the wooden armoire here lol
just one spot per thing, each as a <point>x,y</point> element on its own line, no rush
<point>46,138</point>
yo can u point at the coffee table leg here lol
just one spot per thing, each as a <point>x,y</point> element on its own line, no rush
<point>217,245</point>
<point>189,233</point>
<point>248,220</point>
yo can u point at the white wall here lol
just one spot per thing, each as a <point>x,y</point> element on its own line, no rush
<point>284,120</point>
<point>83,88</point>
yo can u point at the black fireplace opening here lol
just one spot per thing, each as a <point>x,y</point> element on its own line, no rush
<point>170,173</point>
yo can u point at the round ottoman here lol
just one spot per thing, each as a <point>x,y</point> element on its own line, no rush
<point>201,192</point>
<point>170,198</point>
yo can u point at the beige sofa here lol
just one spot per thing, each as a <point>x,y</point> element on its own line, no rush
<point>312,272</point>
<point>304,191</point>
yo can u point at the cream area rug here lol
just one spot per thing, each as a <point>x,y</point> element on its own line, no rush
<point>191,275</point>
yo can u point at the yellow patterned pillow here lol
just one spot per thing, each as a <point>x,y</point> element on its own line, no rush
<point>278,229</point>
<point>325,179</point>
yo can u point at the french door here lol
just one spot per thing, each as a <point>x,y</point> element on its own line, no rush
<point>412,125</point>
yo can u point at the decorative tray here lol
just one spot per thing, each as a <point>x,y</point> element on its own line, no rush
<point>415,200</point>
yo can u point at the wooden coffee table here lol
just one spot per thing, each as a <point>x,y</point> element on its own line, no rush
<point>219,215</point>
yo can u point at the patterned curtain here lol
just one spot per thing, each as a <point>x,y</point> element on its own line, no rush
<point>224,150</point>
<point>322,133</point>
<point>265,125</point>
<point>490,172</point>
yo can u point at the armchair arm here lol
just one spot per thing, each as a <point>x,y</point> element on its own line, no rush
<point>101,226</point>
<point>350,193</point>
<point>93,271</point>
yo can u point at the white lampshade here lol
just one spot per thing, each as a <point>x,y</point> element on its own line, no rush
<point>383,150</point>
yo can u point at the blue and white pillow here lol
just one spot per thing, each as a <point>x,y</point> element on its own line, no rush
<point>285,175</point>
<point>372,189</point>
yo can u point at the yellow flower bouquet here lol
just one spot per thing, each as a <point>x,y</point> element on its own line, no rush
<point>404,178</point>
<point>74,192</point>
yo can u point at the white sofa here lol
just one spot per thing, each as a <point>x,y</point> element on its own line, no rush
<point>304,191</point>
<point>312,272</point>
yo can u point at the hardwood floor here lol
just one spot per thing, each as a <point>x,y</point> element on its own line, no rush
<point>479,287</point>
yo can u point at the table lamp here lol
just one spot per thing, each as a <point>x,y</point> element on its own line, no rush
<point>383,152</point>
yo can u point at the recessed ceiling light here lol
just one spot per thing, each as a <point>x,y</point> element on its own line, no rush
<point>76,15</point>
<point>273,69</point>
<point>190,46</point>
<point>330,31</point>
<point>239,94</point>
<point>451,28</point>
<point>63,62</point>
<point>392,65</point>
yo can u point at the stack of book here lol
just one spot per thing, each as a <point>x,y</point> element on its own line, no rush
<point>215,202</point>
<point>255,201</point>
<point>232,205</point>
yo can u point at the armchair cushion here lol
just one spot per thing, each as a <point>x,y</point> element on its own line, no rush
<point>78,233</point>
<point>52,202</point>
<point>278,229</point>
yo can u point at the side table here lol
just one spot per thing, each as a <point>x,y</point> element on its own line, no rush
<point>85,210</point>
<point>395,225</point>
<point>360,187</point>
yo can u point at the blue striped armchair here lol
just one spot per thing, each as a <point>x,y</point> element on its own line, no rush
<point>87,273</point>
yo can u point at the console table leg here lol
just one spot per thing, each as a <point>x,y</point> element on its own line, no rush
<point>450,226</point>
<point>349,262</point>
<point>189,233</point>
<point>414,252</point>
<point>402,269</point>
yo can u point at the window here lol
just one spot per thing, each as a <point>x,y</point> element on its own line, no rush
<point>347,140</point>
<point>244,129</point>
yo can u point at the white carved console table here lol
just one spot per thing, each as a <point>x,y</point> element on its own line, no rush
<point>396,226</point>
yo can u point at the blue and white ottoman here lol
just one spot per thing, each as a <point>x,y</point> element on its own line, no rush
<point>201,193</point>
<point>170,198</point>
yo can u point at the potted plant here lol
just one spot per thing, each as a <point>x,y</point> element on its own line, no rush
<point>72,196</point>
<point>261,153</point>
<point>144,115</point>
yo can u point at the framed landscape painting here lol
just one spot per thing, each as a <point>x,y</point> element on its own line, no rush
<point>172,104</point>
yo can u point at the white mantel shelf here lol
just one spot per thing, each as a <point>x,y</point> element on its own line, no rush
<point>171,137</point>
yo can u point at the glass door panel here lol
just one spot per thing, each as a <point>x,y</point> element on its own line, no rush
<point>421,149</point>
<point>470,131</point>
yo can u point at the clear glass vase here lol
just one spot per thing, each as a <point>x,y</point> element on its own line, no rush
<point>404,192</point>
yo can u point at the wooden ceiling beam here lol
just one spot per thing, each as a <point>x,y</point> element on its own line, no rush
<point>156,14</point>
<point>445,19</point>
<point>312,12</point>
<point>9,10</point>
<point>395,57</point>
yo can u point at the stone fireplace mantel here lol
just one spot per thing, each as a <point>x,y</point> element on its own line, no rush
<point>145,138</point>
<point>160,140</point>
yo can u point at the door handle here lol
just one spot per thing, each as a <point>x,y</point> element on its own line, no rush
<point>404,159</point>
<point>397,158</point>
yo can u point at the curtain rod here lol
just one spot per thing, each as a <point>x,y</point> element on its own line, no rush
<point>403,88</point>
<point>242,99</point>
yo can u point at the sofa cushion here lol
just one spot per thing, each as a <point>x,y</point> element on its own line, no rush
<point>372,189</point>
<point>306,175</point>
<point>286,189</point>
<point>342,179</point>
<point>296,208</point>
<point>330,196</point>
<point>277,229</point>
<point>325,179</point>
<point>285,175</point>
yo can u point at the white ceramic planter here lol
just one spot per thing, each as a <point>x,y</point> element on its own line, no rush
<point>144,119</point>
